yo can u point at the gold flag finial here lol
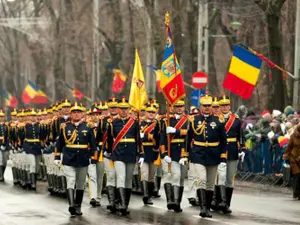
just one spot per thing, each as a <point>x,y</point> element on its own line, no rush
<point>167,19</point>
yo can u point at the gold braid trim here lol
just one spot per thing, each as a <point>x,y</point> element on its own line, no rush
<point>200,129</point>
<point>72,138</point>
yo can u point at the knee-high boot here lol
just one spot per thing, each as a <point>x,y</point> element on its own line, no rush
<point>203,204</point>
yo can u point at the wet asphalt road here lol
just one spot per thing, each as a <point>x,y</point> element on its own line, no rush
<point>249,208</point>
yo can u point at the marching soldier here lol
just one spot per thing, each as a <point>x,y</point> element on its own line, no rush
<point>13,143</point>
<point>124,146</point>
<point>233,145</point>
<point>93,174</point>
<point>175,158</point>
<point>159,172</point>
<point>108,163</point>
<point>149,134</point>
<point>4,153</point>
<point>31,136</point>
<point>77,143</point>
<point>207,140</point>
<point>216,196</point>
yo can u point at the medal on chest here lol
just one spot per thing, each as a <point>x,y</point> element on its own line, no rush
<point>213,125</point>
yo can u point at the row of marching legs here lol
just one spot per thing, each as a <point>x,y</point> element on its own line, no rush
<point>215,192</point>
<point>27,169</point>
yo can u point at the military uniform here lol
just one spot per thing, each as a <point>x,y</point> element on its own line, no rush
<point>124,145</point>
<point>150,131</point>
<point>106,156</point>
<point>233,144</point>
<point>207,141</point>
<point>77,143</point>
<point>13,143</point>
<point>4,153</point>
<point>93,174</point>
<point>31,138</point>
<point>174,159</point>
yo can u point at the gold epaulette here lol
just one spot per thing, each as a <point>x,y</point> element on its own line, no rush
<point>90,124</point>
<point>191,118</point>
<point>236,116</point>
<point>21,125</point>
<point>63,125</point>
<point>109,120</point>
<point>221,118</point>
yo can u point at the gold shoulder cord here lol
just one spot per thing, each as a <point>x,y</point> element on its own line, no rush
<point>72,138</point>
<point>200,129</point>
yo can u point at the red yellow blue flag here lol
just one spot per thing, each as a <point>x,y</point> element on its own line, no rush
<point>243,72</point>
<point>171,82</point>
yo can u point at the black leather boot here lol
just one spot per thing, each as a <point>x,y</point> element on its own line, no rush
<point>122,206</point>
<point>229,192</point>
<point>72,209</point>
<point>128,192</point>
<point>63,186</point>
<point>33,181</point>
<point>177,198</point>
<point>169,196</point>
<point>1,174</point>
<point>151,186</point>
<point>216,198</point>
<point>44,178</point>
<point>111,191</point>
<point>203,207</point>
<point>157,187</point>
<point>15,175</point>
<point>145,192</point>
<point>223,204</point>
<point>94,203</point>
<point>78,201</point>
<point>135,181</point>
<point>50,183</point>
<point>28,180</point>
<point>209,196</point>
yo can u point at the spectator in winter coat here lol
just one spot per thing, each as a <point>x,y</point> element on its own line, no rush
<point>292,157</point>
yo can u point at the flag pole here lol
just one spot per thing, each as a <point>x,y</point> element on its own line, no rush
<point>268,61</point>
<point>167,22</point>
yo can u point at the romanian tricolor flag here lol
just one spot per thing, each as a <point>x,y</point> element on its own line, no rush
<point>75,92</point>
<point>29,93</point>
<point>171,81</point>
<point>10,101</point>
<point>40,98</point>
<point>157,73</point>
<point>243,72</point>
<point>119,81</point>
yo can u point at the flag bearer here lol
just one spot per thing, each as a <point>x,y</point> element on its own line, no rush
<point>124,146</point>
<point>149,132</point>
<point>174,161</point>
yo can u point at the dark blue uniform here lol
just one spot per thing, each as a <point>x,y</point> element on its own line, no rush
<point>31,136</point>
<point>150,141</point>
<point>178,140</point>
<point>207,139</point>
<point>4,135</point>
<point>129,146</point>
<point>233,136</point>
<point>77,144</point>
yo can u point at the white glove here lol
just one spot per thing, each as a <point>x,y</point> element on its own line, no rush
<point>249,126</point>
<point>242,156</point>
<point>258,135</point>
<point>171,130</point>
<point>142,135</point>
<point>156,150</point>
<point>141,162</point>
<point>57,162</point>
<point>3,147</point>
<point>106,154</point>
<point>182,161</point>
<point>271,134</point>
<point>222,165</point>
<point>167,159</point>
